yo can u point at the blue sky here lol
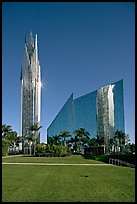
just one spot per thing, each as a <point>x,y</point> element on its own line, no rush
<point>82,46</point>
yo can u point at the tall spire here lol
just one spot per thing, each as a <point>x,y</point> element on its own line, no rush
<point>30,86</point>
<point>30,42</point>
<point>36,48</point>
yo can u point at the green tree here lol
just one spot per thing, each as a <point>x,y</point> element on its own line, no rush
<point>12,137</point>
<point>92,142</point>
<point>81,134</point>
<point>6,130</point>
<point>112,144</point>
<point>55,139</point>
<point>5,146</point>
<point>18,140</point>
<point>132,147</point>
<point>9,138</point>
<point>127,143</point>
<point>100,140</point>
<point>73,141</point>
<point>30,140</point>
<point>34,128</point>
<point>119,140</point>
<point>64,134</point>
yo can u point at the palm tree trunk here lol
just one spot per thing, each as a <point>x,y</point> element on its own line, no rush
<point>14,147</point>
<point>79,144</point>
<point>34,149</point>
<point>104,149</point>
<point>64,141</point>
<point>30,149</point>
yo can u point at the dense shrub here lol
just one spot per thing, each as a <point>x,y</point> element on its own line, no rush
<point>43,150</point>
<point>5,145</point>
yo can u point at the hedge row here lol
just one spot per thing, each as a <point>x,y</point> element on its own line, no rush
<point>43,150</point>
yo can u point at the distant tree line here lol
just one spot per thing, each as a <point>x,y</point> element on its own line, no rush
<point>11,141</point>
<point>62,144</point>
<point>119,143</point>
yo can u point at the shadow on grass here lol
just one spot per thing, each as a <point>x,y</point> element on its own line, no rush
<point>130,158</point>
<point>103,158</point>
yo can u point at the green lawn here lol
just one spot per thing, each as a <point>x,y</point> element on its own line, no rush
<point>66,183</point>
<point>79,159</point>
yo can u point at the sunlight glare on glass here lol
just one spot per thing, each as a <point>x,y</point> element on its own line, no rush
<point>41,84</point>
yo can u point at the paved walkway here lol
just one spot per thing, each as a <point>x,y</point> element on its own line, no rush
<point>57,164</point>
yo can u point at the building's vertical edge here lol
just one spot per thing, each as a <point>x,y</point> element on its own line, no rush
<point>123,105</point>
<point>63,120</point>
<point>21,104</point>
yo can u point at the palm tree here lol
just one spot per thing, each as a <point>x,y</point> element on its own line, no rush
<point>73,140</point>
<point>127,143</point>
<point>6,129</point>
<point>18,141</point>
<point>81,134</point>
<point>64,134</point>
<point>54,140</point>
<point>13,139</point>
<point>30,139</point>
<point>34,128</point>
<point>9,135</point>
<point>92,142</point>
<point>100,141</point>
<point>112,144</point>
<point>131,147</point>
<point>119,138</point>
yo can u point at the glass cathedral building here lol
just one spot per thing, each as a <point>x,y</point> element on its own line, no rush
<point>100,112</point>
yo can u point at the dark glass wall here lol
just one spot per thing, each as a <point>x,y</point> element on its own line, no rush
<point>82,112</point>
<point>64,119</point>
<point>119,106</point>
<point>85,113</point>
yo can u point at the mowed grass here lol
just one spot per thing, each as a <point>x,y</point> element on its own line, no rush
<point>74,159</point>
<point>67,183</point>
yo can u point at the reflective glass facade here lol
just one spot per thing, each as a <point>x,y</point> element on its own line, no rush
<point>100,112</point>
<point>30,87</point>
